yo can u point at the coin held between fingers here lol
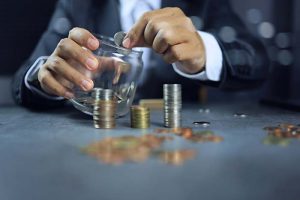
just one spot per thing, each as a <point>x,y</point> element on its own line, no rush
<point>119,38</point>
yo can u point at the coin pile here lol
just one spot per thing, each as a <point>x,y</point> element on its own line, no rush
<point>172,105</point>
<point>140,117</point>
<point>193,136</point>
<point>105,106</point>
<point>136,149</point>
<point>284,131</point>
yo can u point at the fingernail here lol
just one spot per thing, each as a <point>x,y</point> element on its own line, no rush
<point>86,85</point>
<point>92,63</point>
<point>69,95</point>
<point>93,43</point>
<point>126,43</point>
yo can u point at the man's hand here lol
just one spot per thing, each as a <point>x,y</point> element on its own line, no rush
<point>59,74</point>
<point>170,33</point>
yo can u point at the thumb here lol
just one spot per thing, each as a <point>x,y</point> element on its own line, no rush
<point>130,41</point>
<point>135,37</point>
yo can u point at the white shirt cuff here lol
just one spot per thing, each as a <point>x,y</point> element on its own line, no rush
<point>32,74</point>
<point>214,60</point>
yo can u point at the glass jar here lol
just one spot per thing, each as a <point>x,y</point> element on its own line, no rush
<point>119,70</point>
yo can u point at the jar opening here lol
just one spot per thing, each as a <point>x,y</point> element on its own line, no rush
<point>108,41</point>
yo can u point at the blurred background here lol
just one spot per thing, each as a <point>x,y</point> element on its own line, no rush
<point>275,22</point>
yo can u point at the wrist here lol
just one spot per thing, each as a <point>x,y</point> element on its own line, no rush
<point>197,64</point>
<point>31,80</point>
<point>192,67</point>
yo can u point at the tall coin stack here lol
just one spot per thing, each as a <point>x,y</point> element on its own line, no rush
<point>172,105</point>
<point>105,106</point>
<point>140,117</point>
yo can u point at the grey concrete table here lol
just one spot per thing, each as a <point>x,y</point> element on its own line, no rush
<point>40,158</point>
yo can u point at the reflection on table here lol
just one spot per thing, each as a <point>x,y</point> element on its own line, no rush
<point>138,149</point>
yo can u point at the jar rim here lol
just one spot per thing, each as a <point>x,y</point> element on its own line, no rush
<point>109,41</point>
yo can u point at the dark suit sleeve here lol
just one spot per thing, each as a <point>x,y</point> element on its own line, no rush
<point>55,31</point>
<point>245,62</point>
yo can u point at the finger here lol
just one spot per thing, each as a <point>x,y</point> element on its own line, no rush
<point>61,67</point>
<point>84,38</point>
<point>64,82</point>
<point>177,53</point>
<point>166,38</point>
<point>152,29</point>
<point>165,23</point>
<point>134,37</point>
<point>68,49</point>
<point>52,86</point>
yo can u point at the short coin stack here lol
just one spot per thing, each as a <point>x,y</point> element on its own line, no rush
<point>172,105</point>
<point>105,106</point>
<point>140,117</point>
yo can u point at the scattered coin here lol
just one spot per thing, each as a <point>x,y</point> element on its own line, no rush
<point>206,138</point>
<point>177,157</point>
<point>186,132</point>
<point>202,124</point>
<point>273,140</point>
<point>193,136</point>
<point>284,131</point>
<point>136,149</point>
<point>202,110</point>
<point>204,133</point>
<point>166,131</point>
<point>240,115</point>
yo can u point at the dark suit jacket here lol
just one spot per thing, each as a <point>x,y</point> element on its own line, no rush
<point>102,17</point>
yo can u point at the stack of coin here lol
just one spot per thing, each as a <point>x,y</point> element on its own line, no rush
<point>172,105</point>
<point>105,106</point>
<point>102,94</point>
<point>96,93</point>
<point>140,117</point>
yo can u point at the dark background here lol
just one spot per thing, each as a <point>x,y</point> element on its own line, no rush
<point>22,23</point>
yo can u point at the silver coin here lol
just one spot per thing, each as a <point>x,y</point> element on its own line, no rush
<point>201,124</point>
<point>240,115</point>
<point>104,110</point>
<point>172,105</point>
<point>119,37</point>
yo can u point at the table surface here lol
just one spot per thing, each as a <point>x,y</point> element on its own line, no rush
<point>41,158</point>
